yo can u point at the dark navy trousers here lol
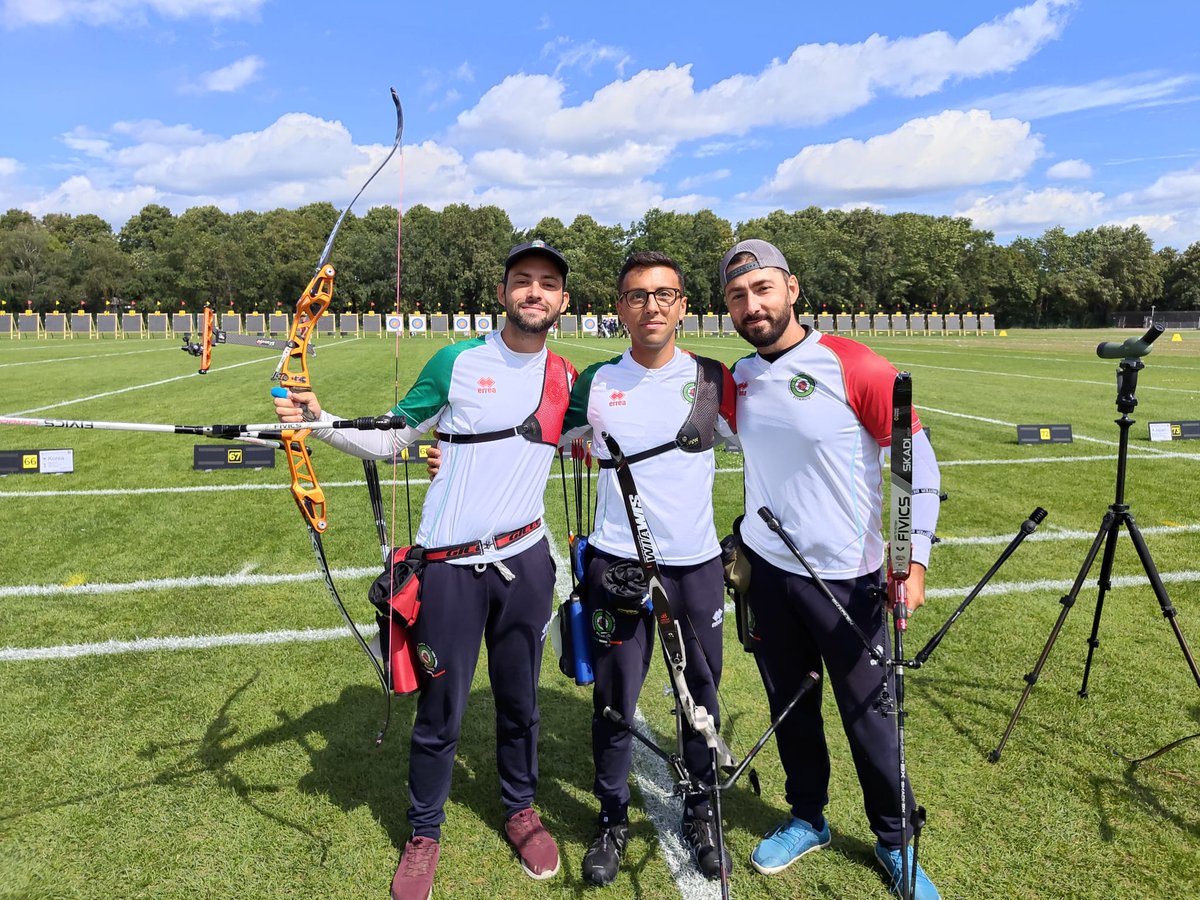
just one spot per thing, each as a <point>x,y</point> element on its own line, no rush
<point>622,648</point>
<point>799,631</point>
<point>462,606</point>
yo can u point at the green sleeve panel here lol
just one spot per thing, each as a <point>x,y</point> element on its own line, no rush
<point>430,393</point>
<point>578,409</point>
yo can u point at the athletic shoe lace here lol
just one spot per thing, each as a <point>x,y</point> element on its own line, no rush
<point>418,857</point>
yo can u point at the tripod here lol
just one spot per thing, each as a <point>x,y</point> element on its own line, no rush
<point>1118,514</point>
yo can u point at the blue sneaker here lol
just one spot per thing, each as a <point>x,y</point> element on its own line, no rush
<point>786,844</point>
<point>891,863</point>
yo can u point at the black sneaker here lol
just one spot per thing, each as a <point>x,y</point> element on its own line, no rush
<point>700,833</point>
<point>603,858</point>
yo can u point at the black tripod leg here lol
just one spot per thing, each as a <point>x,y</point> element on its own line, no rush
<point>1105,585</point>
<point>1067,602</point>
<point>1160,591</point>
<point>715,793</point>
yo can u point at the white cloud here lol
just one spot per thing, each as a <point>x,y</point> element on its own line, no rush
<point>1179,188</point>
<point>17,13</point>
<point>511,167</point>
<point>585,56</point>
<point>295,146</point>
<point>87,142</point>
<point>703,178</point>
<point>1069,168</point>
<point>949,150</point>
<point>1054,100</point>
<point>818,82</point>
<point>231,78</point>
<point>622,202</point>
<point>1177,229</point>
<point>78,195</point>
<point>8,166</point>
<point>721,148</point>
<point>154,131</point>
<point>1025,210</point>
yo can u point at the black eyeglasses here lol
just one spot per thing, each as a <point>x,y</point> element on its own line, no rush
<point>663,296</point>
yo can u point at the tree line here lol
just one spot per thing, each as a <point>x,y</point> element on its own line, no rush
<point>450,260</point>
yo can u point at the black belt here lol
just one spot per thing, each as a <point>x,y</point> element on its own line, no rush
<point>638,457</point>
<point>472,548</point>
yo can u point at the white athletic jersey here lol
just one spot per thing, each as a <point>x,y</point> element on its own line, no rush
<point>484,489</point>
<point>813,425</point>
<point>644,408</point>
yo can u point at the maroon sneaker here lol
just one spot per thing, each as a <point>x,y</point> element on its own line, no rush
<point>535,848</point>
<point>414,876</point>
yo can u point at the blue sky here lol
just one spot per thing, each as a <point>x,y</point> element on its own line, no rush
<point>1019,116</point>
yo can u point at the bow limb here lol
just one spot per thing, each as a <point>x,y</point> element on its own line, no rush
<point>292,374</point>
<point>699,718</point>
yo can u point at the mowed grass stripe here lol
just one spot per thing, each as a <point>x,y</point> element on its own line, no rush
<point>296,717</point>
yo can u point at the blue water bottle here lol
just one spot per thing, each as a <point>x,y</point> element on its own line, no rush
<point>581,644</point>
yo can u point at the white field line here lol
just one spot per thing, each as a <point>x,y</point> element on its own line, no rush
<point>1052,533</point>
<point>42,362</point>
<point>1110,383</point>
<point>665,809</point>
<point>554,476</point>
<point>133,387</point>
<point>203,642</point>
<point>1004,588</point>
<point>647,771</point>
<point>895,349</point>
<point>152,384</point>
<point>1033,460</point>
<point>231,580</point>
<point>1094,440</point>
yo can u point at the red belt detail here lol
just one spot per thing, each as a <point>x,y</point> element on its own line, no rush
<point>472,548</point>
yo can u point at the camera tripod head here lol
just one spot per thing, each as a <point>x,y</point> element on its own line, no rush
<point>1129,352</point>
<point>1130,348</point>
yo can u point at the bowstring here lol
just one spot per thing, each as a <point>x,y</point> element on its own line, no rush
<point>395,401</point>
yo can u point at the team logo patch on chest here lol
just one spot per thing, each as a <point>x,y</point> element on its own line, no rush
<point>689,392</point>
<point>802,385</point>
<point>616,398</point>
<point>487,385</point>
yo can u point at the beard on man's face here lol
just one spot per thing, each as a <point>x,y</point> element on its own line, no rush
<point>533,322</point>
<point>764,329</point>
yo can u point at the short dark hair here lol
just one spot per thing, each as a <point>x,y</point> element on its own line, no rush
<point>744,257</point>
<point>648,259</point>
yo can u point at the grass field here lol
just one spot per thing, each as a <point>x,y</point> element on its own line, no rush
<point>233,757</point>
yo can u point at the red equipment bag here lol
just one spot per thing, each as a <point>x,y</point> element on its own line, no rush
<point>396,594</point>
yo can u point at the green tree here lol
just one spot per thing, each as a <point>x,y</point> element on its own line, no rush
<point>1181,279</point>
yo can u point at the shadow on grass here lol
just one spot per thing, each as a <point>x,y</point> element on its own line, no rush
<point>1133,787</point>
<point>347,769</point>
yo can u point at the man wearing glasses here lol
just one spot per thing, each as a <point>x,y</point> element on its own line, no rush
<point>664,407</point>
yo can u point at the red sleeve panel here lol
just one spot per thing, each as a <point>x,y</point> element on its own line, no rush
<point>869,379</point>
